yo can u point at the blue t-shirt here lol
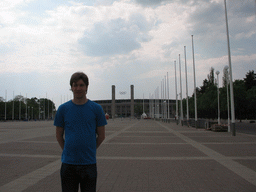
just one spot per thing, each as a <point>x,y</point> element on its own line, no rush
<point>79,123</point>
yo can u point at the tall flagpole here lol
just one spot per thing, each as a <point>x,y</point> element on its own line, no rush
<point>161,100</point>
<point>168,115</point>
<point>143,104</point>
<point>233,127</point>
<point>39,109</point>
<point>217,73</point>
<point>48,110</point>
<point>26,106</point>
<point>181,107</point>
<point>20,108</point>
<point>176,93</point>
<point>194,81</point>
<point>186,85</point>
<point>149,103</point>
<point>158,102</point>
<point>13,107</point>
<point>52,108</point>
<point>44,106</point>
<point>165,93</point>
<point>5,105</point>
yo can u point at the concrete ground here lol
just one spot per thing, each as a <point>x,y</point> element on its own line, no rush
<point>137,155</point>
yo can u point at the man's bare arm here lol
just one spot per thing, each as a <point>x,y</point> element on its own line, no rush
<point>100,135</point>
<point>60,136</point>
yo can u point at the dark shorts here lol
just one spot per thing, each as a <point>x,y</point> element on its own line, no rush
<point>73,175</point>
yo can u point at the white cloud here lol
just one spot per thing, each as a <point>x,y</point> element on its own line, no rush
<point>121,29</point>
<point>121,42</point>
<point>245,35</point>
<point>6,4</point>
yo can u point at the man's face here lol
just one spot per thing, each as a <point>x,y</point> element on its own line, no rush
<point>79,89</point>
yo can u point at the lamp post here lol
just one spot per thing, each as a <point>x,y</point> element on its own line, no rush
<point>28,113</point>
<point>217,73</point>
<point>227,76</point>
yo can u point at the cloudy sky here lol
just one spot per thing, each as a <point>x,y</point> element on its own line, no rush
<point>121,43</point>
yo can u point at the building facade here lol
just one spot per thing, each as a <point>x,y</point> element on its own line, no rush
<point>153,108</point>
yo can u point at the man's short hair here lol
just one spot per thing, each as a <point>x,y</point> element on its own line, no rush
<point>77,76</point>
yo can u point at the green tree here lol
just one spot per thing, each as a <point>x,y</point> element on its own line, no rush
<point>211,79</point>
<point>208,103</point>
<point>250,80</point>
<point>251,101</point>
<point>240,99</point>
<point>21,108</point>
<point>207,83</point>
<point>204,87</point>
<point>138,110</point>
<point>244,97</point>
<point>47,108</point>
<point>225,78</point>
<point>2,108</point>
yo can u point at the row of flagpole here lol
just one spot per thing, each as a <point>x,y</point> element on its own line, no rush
<point>186,78</point>
<point>27,107</point>
<point>163,86</point>
<point>165,109</point>
<point>165,112</point>
<point>63,99</point>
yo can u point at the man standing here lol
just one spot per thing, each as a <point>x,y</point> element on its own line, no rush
<point>83,123</point>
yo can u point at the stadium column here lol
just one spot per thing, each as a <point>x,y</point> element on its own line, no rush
<point>113,106</point>
<point>132,101</point>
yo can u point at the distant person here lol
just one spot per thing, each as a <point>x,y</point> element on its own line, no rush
<point>82,121</point>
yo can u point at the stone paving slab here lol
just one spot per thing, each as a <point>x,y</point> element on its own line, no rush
<point>146,139</point>
<point>147,128</point>
<point>178,175</point>
<point>136,155</point>
<point>146,134</point>
<point>149,150</point>
<point>25,124</point>
<point>44,148</point>
<point>203,133</point>
<point>49,183</point>
<point>248,163</point>
<point>51,138</point>
<point>12,168</point>
<point>223,139</point>
<point>240,149</point>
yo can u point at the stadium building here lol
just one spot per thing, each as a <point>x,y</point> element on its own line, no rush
<point>153,108</point>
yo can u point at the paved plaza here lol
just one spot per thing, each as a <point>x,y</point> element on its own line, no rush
<point>137,155</point>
